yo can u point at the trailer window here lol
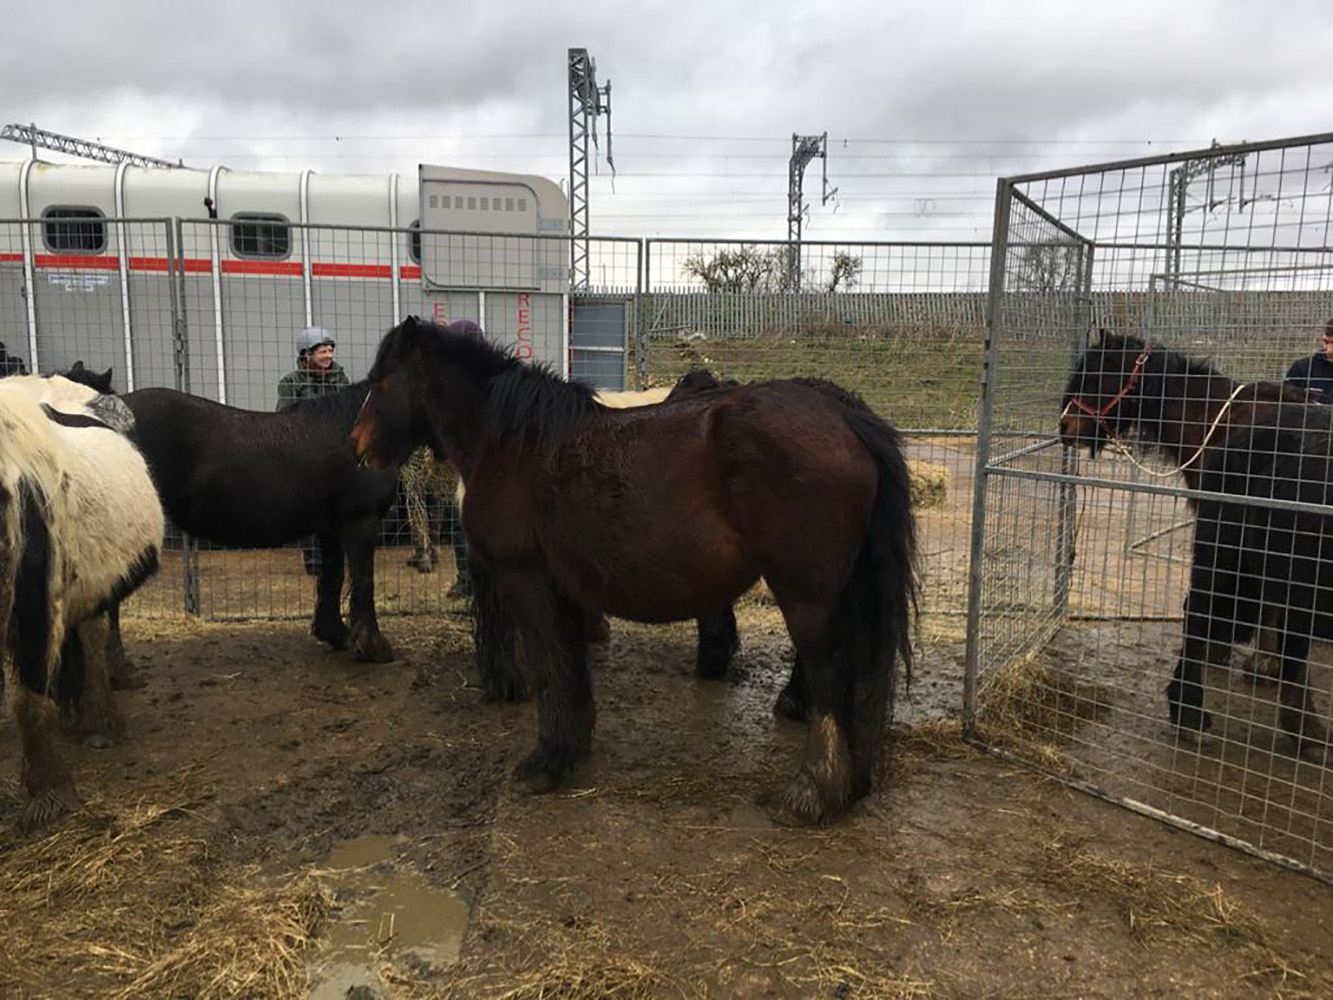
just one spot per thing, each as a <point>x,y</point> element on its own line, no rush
<point>74,230</point>
<point>260,236</point>
<point>414,241</point>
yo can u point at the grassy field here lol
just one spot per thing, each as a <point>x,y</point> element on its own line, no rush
<point>916,382</point>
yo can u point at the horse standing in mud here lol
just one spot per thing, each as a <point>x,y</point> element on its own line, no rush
<point>80,528</point>
<point>665,513</point>
<point>1209,425</point>
<point>257,480</point>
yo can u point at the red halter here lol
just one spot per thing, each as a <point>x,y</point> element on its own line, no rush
<point>1114,401</point>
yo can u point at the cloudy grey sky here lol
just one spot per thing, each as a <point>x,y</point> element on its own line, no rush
<point>925,103</point>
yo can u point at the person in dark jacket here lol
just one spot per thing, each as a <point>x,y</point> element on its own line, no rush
<point>316,374</point>
<point>1314,373</point>
<point>10,364</point>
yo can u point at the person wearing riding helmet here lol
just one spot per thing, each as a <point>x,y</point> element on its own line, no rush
<point>316,373</point>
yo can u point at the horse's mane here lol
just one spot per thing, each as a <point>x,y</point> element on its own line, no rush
<point>528,402</point>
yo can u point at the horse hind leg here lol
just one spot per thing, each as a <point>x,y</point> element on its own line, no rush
<point>328,625</point>
<point>1298,714</point>
<point>718,642</point>
<point>824,784</point>
<point>45,778</point>
<point>125,676</point>
<point>100,724</point>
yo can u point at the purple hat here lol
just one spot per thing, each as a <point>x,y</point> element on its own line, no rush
<point>465,327</point>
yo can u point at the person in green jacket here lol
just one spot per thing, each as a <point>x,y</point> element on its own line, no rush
<point>316,373</point>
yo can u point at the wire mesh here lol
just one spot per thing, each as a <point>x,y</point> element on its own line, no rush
<point>1151,620</point>
<point>900,324</point>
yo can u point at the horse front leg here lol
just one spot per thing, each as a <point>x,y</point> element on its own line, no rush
<point>718,642</point>
<point>368,643</point>
<point>555,642</point>
<point>493,637</point>
<point>328,624</point>
<point>794,701</point>
<point>1297,713</point>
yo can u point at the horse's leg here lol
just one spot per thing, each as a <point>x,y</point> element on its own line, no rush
<point>1211,609</point>
<point>718,642</point>
<point>44,776</point>
<point>100,724</point>
<point>328,623</point>
<point>462,585</point>
<point>493,635</point>
<point>823,787</point>
<point>556,648</point>
<point>124,676</point>
<point>1298,715</point>
<point>367,642</point>
<point>794,701</point>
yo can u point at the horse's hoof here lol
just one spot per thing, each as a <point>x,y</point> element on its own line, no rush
<point>47,806</point>
<point>372,647</point>
<point>102,729</point>
<point>799,804</point>
<point>535,777</point>
<point>790,706</point>
<point>1190,719</point>
<point>125,676</point>
<point>334,633</point>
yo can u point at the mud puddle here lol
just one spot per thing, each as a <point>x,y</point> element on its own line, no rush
<point>386,910</point>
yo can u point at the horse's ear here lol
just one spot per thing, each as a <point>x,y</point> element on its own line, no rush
<point>78,367</point>
<point>104,380</point>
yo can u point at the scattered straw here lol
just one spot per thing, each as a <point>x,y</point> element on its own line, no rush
<point>127,902</point>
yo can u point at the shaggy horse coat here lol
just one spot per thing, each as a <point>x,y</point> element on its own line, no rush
<point>257,480</point>
<point>662,513</point>
<point>1209,424</point>
<point>80,527</point>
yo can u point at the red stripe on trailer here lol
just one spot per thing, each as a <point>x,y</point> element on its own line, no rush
<point>77,262</point>
<point>283,267</point>
<point>351,270</point>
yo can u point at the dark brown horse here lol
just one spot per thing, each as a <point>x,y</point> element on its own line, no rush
<point>1195,416</point>
<point>1124,386</point>
<point>663,514</point>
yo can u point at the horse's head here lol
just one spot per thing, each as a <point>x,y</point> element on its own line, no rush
<point>423,391</point>
<point>101,381</point>
<point>698,380</point>
<point>1099,401</point>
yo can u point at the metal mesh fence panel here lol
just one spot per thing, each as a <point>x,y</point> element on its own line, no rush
<point>900,324</point>
<point>1154,499</point>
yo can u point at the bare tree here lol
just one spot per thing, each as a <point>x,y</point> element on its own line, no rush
<point>845,273</point>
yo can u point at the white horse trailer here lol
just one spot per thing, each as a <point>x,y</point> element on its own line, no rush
<point>201,278</point>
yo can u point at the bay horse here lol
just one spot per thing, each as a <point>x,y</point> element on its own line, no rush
<point>80,527</point>
<point>665,513</point>
<point>255,479</point>
<point>1196,417</point>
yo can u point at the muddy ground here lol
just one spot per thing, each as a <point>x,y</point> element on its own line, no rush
<point>259,755</point>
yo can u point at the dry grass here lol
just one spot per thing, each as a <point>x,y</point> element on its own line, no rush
<point>1152,901</point>
<point>126,902</point>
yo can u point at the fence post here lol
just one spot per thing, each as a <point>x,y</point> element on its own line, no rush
<point>180,343</point>
<point>1068,496</point>
<point>995,298</point>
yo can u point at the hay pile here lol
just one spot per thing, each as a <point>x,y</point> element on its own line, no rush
<point>126,901</point>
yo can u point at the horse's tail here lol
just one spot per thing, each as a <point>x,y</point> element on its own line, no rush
<point>880,603</point>
<point>27,616</point>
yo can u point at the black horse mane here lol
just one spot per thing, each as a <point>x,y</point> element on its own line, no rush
<point>529,402</point>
